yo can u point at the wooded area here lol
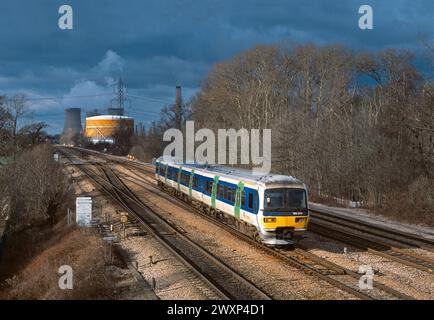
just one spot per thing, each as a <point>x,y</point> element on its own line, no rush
<point>354,126</point>
<point>32,184</point>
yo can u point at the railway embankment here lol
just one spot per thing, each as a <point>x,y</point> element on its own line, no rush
<point>370,217</point>
<point>36,256</point>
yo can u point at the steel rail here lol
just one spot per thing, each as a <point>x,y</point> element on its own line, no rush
<point>114,196</point>
<point>247,290</point>
<point>299,258</point>
<point>370,228</point>
<point>374,246</point>
<point>224,279</point>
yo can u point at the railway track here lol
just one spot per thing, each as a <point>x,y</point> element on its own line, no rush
<point>224,281</point>
<point>376,247</point>
<point>311,264</point>
<point>329,226</point>
<point>324,227</point>
<point>388,234</point>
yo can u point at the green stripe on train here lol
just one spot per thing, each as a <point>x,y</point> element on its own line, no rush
<point>238,197</point>
<point>190,183</point>
<point>214,191</point>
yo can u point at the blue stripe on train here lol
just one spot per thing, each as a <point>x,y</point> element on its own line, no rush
<point>173,175</point>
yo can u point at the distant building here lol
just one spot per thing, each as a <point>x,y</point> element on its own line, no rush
<point>108,128</point>
<point>73,121</point>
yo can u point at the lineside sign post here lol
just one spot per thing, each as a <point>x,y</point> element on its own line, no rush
<point>83,211</point>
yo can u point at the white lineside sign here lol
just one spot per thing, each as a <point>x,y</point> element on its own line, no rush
<point>83,211</point>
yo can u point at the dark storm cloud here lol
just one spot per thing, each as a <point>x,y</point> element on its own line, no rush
<point>157,44</point>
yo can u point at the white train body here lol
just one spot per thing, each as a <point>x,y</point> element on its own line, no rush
<point>272,208</point>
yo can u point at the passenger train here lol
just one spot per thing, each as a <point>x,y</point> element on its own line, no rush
<point>272,209</point>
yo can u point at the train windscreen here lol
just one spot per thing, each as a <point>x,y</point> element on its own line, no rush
<point>285,199</point>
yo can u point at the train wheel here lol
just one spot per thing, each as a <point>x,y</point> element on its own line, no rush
<point>245,228</point>
<point>255,234</point>
<point>236,224</point>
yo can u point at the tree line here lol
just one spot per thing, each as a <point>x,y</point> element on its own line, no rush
<point>32,184</point>
<point>13,135</point>
<point>353,126</point>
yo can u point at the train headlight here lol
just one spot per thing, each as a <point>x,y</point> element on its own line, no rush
<point>269,220</point>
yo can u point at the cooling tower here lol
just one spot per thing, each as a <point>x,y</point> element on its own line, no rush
<point>73,121</point>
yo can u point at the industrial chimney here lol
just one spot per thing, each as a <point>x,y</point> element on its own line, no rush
<point>177,109</point>
<point>178,97</point>
<point>73,121</point>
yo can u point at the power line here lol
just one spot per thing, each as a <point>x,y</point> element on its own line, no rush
<point>140,109</point>
<point>94,95</point>
<point>66,97</point>
<point>148,98</point>
<point>145,113</point>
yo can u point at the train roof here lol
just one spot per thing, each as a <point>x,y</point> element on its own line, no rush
<point>237,173</point>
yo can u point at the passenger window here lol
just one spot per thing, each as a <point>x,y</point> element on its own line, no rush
<point>251,200</point>
<point>209,186</point>
<point>243,199</point>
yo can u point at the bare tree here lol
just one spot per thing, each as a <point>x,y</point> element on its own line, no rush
<point>17,108</point>
<point>36,186</point>
<point>174,116</point>
<point>348,139</point>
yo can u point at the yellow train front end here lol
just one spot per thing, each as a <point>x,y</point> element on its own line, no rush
<point>284,215</point>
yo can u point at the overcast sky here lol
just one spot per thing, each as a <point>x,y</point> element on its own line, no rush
<point>158,44</point>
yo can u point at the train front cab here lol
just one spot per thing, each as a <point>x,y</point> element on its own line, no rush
<point>284,215</point>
